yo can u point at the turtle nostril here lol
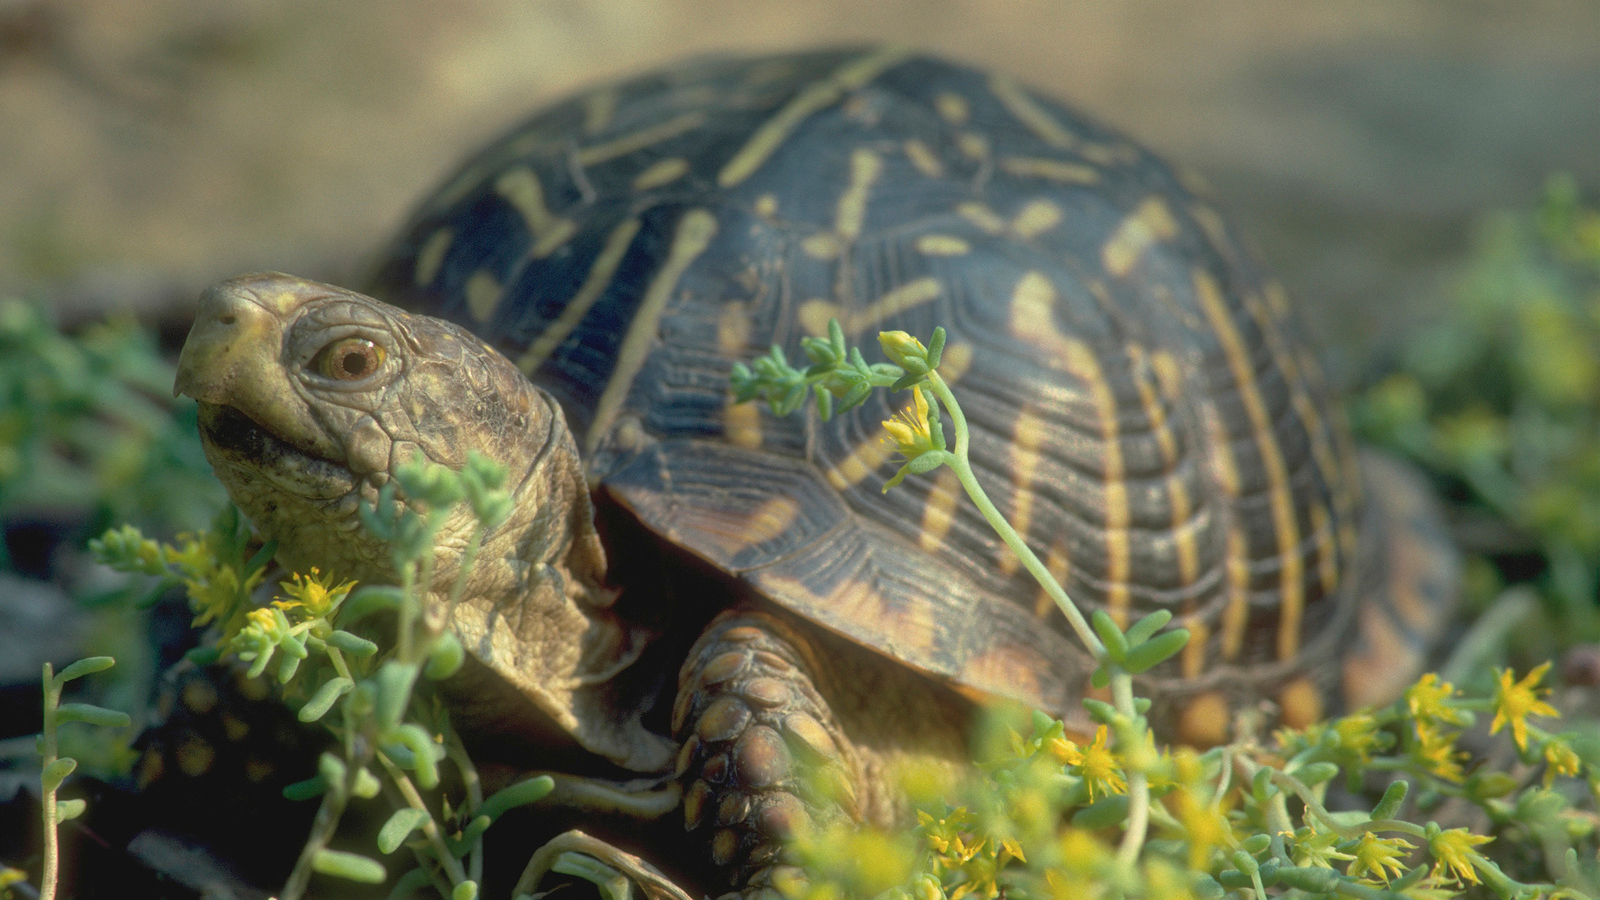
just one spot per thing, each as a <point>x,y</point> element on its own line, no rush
<point>228,319</point>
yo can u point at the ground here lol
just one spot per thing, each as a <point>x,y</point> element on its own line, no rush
<point>150,148</point>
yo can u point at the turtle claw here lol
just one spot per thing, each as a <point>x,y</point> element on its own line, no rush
<point>617,874</point>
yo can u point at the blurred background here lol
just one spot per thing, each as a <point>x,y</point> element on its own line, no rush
<point>148,147</point>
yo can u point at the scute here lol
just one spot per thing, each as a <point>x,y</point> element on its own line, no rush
<point>1143,405</point>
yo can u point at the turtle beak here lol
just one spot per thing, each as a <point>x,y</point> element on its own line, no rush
<point>234,324</point>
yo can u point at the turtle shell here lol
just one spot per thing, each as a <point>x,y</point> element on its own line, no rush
<point>1143,405</point>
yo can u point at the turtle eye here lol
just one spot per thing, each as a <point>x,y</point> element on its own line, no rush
<point>349,359</point>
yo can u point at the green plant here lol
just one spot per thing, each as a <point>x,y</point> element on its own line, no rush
<point>1501,402</point>
<point>56,767</point>
<point>86,424</point>
<point>1244,818</point>
<point>389,736</point>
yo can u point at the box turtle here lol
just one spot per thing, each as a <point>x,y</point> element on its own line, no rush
<point>694,590</point>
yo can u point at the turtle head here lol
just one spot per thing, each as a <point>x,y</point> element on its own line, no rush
<point>311,395</point>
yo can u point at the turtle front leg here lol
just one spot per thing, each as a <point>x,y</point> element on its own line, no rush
<point>762,755</point>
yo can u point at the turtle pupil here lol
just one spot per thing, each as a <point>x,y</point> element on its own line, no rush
<point>355,363</point>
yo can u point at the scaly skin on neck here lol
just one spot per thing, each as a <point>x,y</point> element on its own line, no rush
<point>299,450</point>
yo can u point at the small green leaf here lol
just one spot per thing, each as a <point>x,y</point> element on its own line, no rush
<point>1149,625</point>
<point>83,667</point>
<point>936,347</point>
<point>349,866</point>
<point>824,401</point>
<point>1312,879</point>
<point>926,462</point>
<point>519,794</point>
<point>368,599</point>
<point>352,644</point>
<point>1313,774</point>
<point>1106,812</point>
<point>93,715</point>
<point>310,789</point>
<point>1100,677</point>
<point>399,827</point>
<point>1100,711</point>
<point>56,773</point>
<point>424,761</point>
<point>475,830</point>
<point>394,681</point>
<point>332,769</point>
<point>67,810</point>
<point>446,658</point>
<point>854,397</point>
<point>466,890</point>
<point>366,784</point>
<point>1155,651</point>
<point>1393,796</point>
<point>1256,843</point>
<point>1116,642</point>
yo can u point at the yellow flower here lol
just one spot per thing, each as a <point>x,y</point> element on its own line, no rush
<point>1436,749</point>
<point>1453,850</point>
<point>1098,765</point>
<point>1559,760</point>
<point>312,593</point>
<point>909,428</point>
<point>1383,857</point>
<point>1317,848</point>
<point>1428,699</point>
<point>912,435</point>
<point>1515,702</point>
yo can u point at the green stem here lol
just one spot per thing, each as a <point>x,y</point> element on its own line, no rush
<point>1138,785</point>
<point>47,805</point>
<point>959,463</point>
<point>1121,682</point>
<point>430,827</point>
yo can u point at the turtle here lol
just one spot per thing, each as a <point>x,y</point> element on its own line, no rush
<point>724,604</point>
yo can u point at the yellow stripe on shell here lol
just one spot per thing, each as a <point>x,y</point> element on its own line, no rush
<point>483,292</point>
<point>594,284</point>
<point>1236,615</point>
<point>1035,218</point>
<point>1033,322</point>
<point>520,187</point>
<point>941,245</point>
<point>638,140</point>
<point>1192,662</point>
<point>923,159</point>
<point>431,256</point>
<point>774,131</point>
<point>1059,564</point>
<point>865,167</point>
<point>1030,113</point>
<point>693,236</point>
<point>660,173</point>
<point>939,509</point>
<point>1027,439</point>
<point>1285,525</point>
<point>1150,223</point>
<point>814,314</point>
<point>1056,170</point>
<point>952,107</point>
<point>982,216</point>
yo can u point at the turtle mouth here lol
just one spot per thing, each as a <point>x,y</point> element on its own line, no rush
<point>232,437</point>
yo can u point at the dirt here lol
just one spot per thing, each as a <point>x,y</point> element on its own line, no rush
<point>149,148</point>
